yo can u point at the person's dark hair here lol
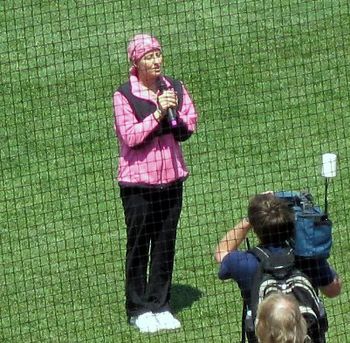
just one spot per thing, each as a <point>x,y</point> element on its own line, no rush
<point>271,218</point>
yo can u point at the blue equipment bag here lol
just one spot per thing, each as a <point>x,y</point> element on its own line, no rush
<point>313,229</point>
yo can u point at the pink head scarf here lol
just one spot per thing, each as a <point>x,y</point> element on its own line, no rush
<point>140,45</point>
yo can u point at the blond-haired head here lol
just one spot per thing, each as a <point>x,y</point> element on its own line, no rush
<point>279,320</point>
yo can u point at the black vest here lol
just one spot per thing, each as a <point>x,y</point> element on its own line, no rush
<point>142,108</point>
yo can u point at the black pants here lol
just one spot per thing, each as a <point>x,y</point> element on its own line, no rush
<point>151,216</point>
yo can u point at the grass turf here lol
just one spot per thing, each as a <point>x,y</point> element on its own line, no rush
<point>271,84</point>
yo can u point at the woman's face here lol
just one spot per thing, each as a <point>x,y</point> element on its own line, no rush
<point>149,66</point>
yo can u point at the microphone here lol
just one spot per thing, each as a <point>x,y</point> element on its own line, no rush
<point>171,112</point>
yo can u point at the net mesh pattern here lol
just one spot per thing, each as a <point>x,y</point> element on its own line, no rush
<point>270,82</point>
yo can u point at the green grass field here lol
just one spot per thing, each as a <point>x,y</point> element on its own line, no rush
<point>270,80</point>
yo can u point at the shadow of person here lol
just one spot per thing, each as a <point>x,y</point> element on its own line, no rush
<point>183,296</point>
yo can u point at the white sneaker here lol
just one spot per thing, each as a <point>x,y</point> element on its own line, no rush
<point>166,321</point>
<point>146,322</point>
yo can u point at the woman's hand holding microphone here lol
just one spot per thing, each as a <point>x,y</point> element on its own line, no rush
<point>167,102</point>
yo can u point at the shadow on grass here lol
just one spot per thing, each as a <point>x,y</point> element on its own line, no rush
<point>183,296</point>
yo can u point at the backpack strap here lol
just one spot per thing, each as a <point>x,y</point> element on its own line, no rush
<point>244,314</point>
<point>260,253</point>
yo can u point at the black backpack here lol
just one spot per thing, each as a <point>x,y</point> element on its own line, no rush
<point>278,273</point>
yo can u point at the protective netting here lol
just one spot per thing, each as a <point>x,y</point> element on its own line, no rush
<point>270,80</point>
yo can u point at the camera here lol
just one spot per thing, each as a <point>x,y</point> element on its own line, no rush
<point>313,228</point>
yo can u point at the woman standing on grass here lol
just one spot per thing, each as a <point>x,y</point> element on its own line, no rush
<point>151,173</point>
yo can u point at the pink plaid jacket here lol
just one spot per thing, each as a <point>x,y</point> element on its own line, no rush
<point>143,161</point>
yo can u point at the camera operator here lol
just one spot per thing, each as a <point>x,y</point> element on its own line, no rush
<point>273,222</point>
<point>153,113</point>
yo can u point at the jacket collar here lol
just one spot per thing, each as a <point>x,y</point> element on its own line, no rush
<point>139,91</point>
